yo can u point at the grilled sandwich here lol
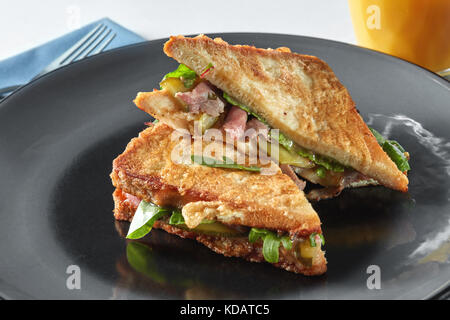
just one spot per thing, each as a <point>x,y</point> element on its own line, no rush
<point>235,211</point>
<point>322,137</point>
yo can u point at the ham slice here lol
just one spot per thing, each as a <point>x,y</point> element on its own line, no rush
<point>324,193</point>
<point>351,179</point>
<point>287,170</point>
<point>259,127</point>
<point>133,200</point>
<point>202,99</point>
<point>235,122</point>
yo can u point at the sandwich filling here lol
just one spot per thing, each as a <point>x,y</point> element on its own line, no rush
<point>214,108</point>
<point>274,245</point>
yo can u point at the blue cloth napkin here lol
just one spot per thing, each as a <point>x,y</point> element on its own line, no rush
<point>21,68</point>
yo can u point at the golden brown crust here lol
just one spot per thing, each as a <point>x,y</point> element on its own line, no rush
<point>229,247</point>
<point>298,94</point>
<point>146,170</point>
<point>123,210</point>
<point>165,107</point>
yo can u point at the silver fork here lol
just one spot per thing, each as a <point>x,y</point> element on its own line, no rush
<point>92,43</point>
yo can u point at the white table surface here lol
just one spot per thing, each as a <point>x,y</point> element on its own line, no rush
<point>25,24</point>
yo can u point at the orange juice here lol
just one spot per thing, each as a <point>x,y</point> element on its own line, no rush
<point>415,30</point>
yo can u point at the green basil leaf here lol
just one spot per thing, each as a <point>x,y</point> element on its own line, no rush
<point>397,145</point>
<point>187,75</point>
<point>394,150</point>
<point>325,162</point>
<point>271,247</point>
<point>287,242</point>
<point>285,141</point>
<point>271,243</point>
<point>397,156</point>
<point>204,71</point>
<point>322,238</point>
<point>256,234</point>
<point>210,162</point>
<point>233,102</point>
<point>176,218</point>
<point>144,218</point>
<point>378,136</point>
<point>312,239</point>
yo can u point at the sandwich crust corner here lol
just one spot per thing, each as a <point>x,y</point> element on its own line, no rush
<point>298,94</point>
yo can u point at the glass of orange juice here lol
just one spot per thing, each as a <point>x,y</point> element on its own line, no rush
<point>414,30</point>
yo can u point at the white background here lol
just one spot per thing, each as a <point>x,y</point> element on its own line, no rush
<point>26,24</point>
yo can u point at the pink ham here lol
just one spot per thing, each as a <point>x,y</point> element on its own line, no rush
<point>287,170</point>
<point>259,127</point>
<point>202,98</point>
<point>235,122</point>
<point>133,200</point>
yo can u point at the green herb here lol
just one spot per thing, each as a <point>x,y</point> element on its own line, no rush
<point>206,70</point>
<point>185,74</point>
<point>271,243</point>
<point>240,105</point>
<point>397,145</point>
<point>209,66</point>
<point>396,155</point>
<point>270,248</point>
<point>144,218</point>
<point>312,239</point>
<point>322,238</point>
<point>321,172</point>
<point>394,150</point>
<point>285,141</point>
<point>287,242</point>
<point>325,162</point>
<point>227,163</point>
<point>177,218</point>
<point>378,136</point>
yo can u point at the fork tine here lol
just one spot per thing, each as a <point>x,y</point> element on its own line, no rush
<point>77,45</point>
<point>94,45</point>
<point>103,46</point>
<point>84,46</point>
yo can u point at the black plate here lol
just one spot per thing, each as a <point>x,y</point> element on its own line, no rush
<point>59,135</point>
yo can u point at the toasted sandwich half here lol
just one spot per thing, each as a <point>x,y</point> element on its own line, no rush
<point>234,87</point>
<point>233,211</point>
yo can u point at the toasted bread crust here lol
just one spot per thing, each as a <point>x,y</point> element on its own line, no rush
<point>298,94</point>
<point>166,108</point>
<point>228,247</point>
<point>273,201</point>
